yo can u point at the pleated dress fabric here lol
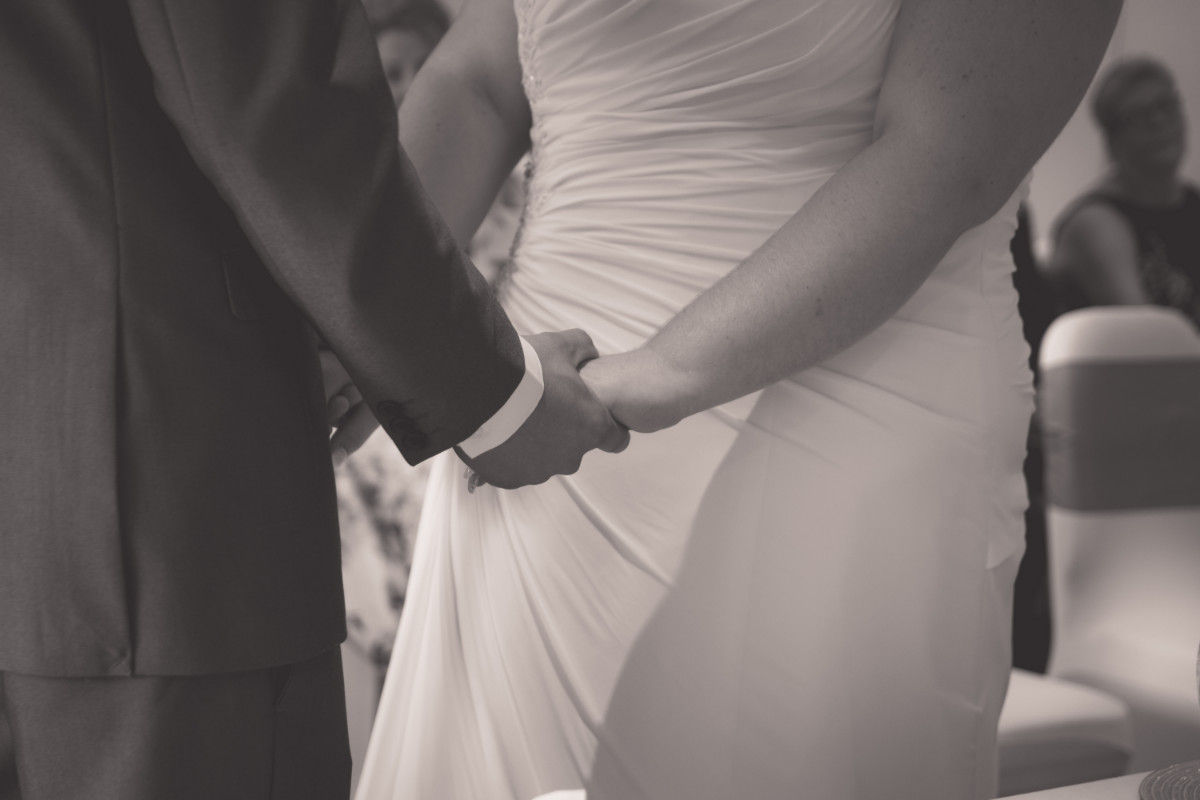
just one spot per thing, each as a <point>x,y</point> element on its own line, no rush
<point>803,593</point>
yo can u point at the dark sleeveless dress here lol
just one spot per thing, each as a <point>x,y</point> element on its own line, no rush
<point>1168,249</point>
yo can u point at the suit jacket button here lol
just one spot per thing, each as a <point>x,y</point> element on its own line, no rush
<point>415,441</point>
<point>400,427</point>
<point>389,409</point>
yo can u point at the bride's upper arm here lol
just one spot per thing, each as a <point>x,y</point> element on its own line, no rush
<point>480,50</point>
<point>982,87</point>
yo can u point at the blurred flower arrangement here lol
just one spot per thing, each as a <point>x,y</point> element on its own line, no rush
<point>379,506</point>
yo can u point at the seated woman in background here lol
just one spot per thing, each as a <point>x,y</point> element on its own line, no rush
<point>1135,238</point>
<point>406,33</point>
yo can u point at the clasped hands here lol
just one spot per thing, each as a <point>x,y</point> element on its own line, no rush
<point>590,402</point>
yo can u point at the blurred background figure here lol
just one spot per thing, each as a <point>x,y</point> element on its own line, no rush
<point>406,33</point>
<point>1131,237</point>
<point>1135,237</point>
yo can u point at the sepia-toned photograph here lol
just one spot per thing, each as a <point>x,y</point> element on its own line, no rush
<point>599,400</point>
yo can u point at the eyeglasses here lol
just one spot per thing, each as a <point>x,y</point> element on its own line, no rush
<point>1143,113</point>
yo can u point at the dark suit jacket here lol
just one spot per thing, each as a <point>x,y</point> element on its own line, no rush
<point>185,187</point>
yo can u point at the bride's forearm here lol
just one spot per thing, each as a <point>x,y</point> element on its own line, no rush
<point>973,95</point>
<point>840,267</point>
<point>837,270</point>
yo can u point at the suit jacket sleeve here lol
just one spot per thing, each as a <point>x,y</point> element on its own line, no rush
<point>284,106</point>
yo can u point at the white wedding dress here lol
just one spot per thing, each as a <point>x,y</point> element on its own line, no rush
<point>820,573</point>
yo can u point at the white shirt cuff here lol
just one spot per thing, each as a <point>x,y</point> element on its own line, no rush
<point>512,415</point>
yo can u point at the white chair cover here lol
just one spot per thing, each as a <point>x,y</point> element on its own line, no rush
<point>1120,405</point>
<point>1057,733</point>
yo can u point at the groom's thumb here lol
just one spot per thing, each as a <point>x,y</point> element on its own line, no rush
<point>616,437</point>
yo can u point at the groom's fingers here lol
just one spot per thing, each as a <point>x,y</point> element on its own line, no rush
<point>569,421</point>
<point>612,437</point>
<point>574,344</point>
<point>616,440</point>
<point>579,346</point>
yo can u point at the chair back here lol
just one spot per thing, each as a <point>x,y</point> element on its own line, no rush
<point>1119,403</point>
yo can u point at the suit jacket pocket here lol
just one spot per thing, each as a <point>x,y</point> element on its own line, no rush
<point>243,275</point>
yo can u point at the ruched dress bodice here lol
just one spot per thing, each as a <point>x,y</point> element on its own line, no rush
<point>667,145</point>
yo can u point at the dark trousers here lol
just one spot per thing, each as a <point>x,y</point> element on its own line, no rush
<point>1031,594</point>
<point>271,734</point>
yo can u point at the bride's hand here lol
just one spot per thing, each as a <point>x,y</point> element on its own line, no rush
<point>349,417</point>
<point>642,390</point>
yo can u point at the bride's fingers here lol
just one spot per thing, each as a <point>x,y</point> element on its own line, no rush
<point>342,402</point>
<point>341,395</point>
<point>333,374</point>
<point>617,438</point>
<point>337,408</point>
<point>355,428</point>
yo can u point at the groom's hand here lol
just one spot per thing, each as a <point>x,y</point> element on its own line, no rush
<point>568,421</point>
